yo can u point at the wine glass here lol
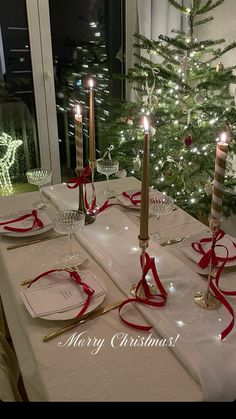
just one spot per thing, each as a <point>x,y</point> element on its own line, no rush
<point>39,177</point>
<point>160,205</point>
<point>69,222</point>
<point>107,167</point>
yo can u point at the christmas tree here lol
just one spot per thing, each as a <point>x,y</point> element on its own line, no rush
<point>182,85</point>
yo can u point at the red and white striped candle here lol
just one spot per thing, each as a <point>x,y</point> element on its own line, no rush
<point>92,152</point>
<point>79,139</point>
<point>218,186</point>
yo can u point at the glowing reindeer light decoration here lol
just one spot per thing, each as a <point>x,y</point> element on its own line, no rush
<point>7,159</point>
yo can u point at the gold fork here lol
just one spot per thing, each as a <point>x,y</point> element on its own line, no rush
<point>79,267</point>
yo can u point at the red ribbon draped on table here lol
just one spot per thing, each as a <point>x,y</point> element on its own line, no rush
<point>36,222</point>
<point>147,264</point>
<point>83,180</point>
<point>209,258</point>
<point>91,208</point>
<point>75,277</point>
<point>131,197</point>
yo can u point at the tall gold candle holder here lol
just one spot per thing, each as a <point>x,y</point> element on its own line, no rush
<point>89,219</point>
<point>92,165</point>
<point>206,299</point>
<point>136,290</point>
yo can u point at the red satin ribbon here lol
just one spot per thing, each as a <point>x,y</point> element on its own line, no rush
<point>76,277</point>
<point>210,258</point>
<point>83,180</point>
<point>106,204</point>
<point>147,264</point>
<point>36,223</point>
<point>131,197</point>
<point>210,255</point>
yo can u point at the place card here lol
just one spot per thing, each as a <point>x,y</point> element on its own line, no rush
<point>53,297</point>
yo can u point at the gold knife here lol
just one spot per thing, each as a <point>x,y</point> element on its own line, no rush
<point>15,246</point>
<point>99,312</point>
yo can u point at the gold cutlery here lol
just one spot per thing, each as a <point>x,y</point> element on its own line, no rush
<point>15,246</point>
<point>79,267</point>
<point>174,241</point>
<point>99,312</point>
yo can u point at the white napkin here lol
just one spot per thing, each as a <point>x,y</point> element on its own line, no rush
<point>226,241</point>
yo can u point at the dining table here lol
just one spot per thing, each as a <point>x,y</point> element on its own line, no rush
<point>111,361</point>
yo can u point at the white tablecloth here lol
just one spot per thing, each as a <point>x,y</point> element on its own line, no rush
<point>73,373</point>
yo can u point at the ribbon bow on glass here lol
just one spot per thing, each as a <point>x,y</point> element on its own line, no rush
<point>107,153</point>
<point>75,277</point>
<point>147,264</point>
<point>36,222</point>
<point>209,258</point>
<point>131,197</point>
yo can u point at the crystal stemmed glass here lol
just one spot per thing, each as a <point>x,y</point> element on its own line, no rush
<point>160,205</point>
<point>107,167</point>
<point>39,177</point>
<point>69,222</point>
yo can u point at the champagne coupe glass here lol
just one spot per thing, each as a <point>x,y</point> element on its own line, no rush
<point>107,167</point>
<point>69,222</point>
<point>39,177</point>
<point>160,205</point>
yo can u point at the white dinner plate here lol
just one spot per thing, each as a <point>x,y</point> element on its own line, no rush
<point>47,224</point>
<point>71,313</point>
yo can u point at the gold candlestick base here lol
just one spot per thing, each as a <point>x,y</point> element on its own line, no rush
<point>89,219</point>
<point>141,294</point>
<point>207,300</point>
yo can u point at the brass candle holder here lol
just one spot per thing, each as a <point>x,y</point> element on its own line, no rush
<point>89,219</point>
<point>92,165</point>
<point>206,299</point>
<point>136,290</point>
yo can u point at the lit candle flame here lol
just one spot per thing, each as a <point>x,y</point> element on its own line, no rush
<point>223,138</point>
<point>146,125</point>
<point>78,110</point>
<point>91,83</point>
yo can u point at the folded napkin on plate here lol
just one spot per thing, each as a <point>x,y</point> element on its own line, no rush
<point>22,221</point>
<point>133,197</point>
<point>220,249</point>
<point>130,198</point>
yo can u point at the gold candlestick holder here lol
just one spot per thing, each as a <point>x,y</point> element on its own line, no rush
<point>89,219</point>
<point>92,165</point>
<point>206,299</point>
<point>136,290</point>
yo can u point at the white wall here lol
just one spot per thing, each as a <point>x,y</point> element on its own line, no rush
<point>223,26</point>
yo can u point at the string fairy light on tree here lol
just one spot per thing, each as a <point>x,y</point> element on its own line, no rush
<point>190,105</point>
